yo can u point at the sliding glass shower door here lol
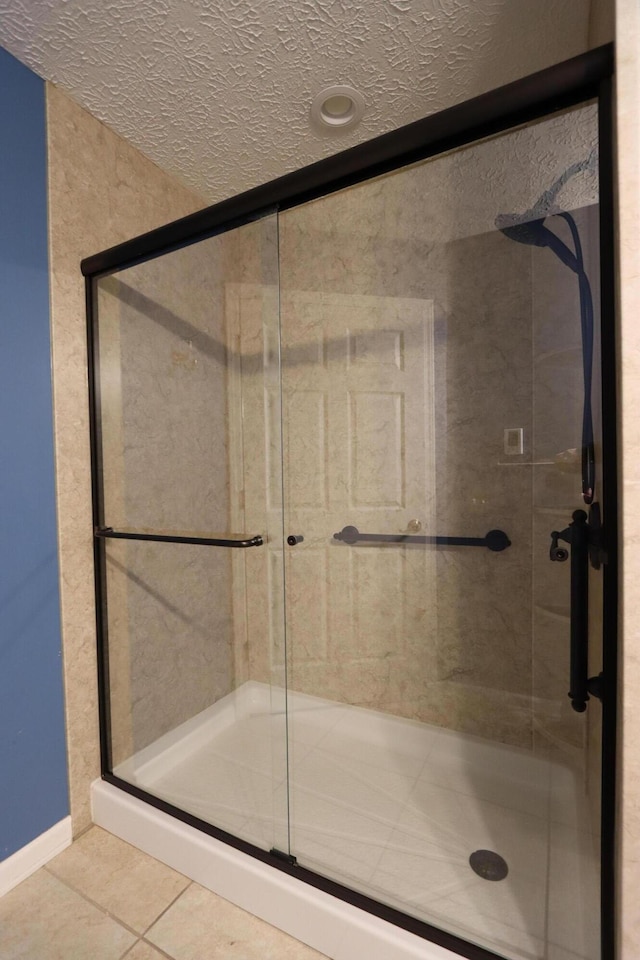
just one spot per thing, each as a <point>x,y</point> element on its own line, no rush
<point>347,474</point>
<point>184,344</point>
<point>437,331</point>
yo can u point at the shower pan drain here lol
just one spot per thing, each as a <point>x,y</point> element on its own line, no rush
<point>488,865</point>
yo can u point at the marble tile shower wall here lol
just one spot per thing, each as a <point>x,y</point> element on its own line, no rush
<point>187,337</point>
<point>628,345</point>
<point>499,362</point>
<point>101,192</point>
<point>163,363</point>
<point>253,436</point>
<point>477,677</point>
<point>559,732</point>
<point>484,599</point>
<point>173,412</point>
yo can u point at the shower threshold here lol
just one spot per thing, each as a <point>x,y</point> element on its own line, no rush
<point>389,807</point>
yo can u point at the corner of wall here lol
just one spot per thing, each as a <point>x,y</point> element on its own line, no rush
<point>101,191</point>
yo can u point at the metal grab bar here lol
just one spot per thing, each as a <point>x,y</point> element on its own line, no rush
<point>109,532</point>
<point>495,540</point>
<point>583,539</point>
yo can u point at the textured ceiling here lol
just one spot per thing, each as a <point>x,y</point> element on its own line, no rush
<point>460,194</point>
<point>218,92</point>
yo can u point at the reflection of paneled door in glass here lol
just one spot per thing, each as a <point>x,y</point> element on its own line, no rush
<point>255,461</point>
<point>358,412</point>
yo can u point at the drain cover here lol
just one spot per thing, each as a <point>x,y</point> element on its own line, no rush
<point>488,865</point>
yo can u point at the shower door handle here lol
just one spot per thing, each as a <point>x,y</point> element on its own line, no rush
<point>213,540</point>
<point>581,537</point>
<point>495,540</point>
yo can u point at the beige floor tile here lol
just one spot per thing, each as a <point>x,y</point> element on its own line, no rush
<point>130,885</point>
<point>42,919</point>
<point>203,926</point>
<point>144,951</point>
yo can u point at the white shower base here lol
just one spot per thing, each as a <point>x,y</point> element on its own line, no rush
<point>390,807</point>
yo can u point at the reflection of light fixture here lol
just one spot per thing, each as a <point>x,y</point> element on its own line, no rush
<point>337,108</point>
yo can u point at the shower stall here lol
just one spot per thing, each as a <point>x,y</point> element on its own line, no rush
<point>352,477</point>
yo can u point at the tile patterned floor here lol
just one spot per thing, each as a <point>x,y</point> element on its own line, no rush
<point>101,899</point>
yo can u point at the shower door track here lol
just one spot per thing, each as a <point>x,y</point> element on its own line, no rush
<point>583,78</point>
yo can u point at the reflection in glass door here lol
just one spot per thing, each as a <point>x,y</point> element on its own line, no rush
<point>196,717</point>
<point>433,371</point>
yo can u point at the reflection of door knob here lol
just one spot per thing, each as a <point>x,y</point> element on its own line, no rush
<point>292,540</point>
<point>414,526</point>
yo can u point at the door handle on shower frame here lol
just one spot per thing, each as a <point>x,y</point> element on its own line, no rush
<point>212,541</point>
<point>583,538</point>
<point>495,540</point>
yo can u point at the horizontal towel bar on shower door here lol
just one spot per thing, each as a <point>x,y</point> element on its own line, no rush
<point>495,540</point>
<point>212,540</point>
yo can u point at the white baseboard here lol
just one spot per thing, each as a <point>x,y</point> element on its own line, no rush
<point>327,924</point>
<point>27,860</point>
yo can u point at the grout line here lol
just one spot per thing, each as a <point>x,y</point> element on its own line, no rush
<point>85,830</point>
<point>112,916</point>
<point>129,949</point>
<point>98,906</point>
<point>168,907</point>
<point>154,946</point>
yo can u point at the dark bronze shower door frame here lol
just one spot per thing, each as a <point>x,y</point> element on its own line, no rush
<point>586,77</point>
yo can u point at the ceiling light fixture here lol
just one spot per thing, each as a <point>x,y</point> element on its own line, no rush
<point>337,108</point>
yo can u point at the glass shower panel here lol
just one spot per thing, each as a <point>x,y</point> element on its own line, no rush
<point>433,401</point>
<point>192,530</point>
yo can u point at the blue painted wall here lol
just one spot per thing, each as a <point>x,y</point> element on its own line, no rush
<point>33,770</point>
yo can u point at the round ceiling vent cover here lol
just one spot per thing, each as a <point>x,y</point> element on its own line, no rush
<point>337,108</point>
